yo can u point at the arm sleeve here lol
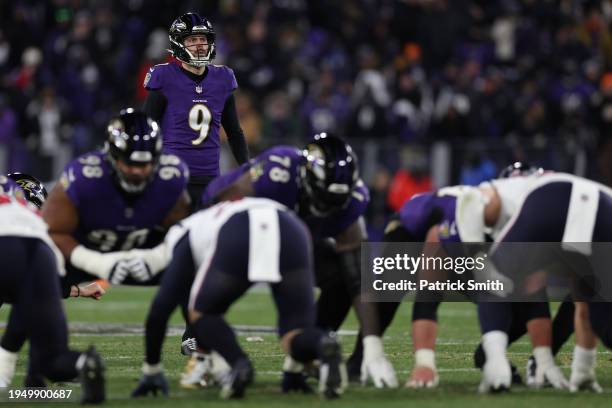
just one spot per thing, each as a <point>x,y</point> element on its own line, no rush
<point>235,135</point>
<point>155,105</point>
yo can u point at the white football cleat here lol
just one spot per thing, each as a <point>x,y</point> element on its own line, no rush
<point>197,371</point>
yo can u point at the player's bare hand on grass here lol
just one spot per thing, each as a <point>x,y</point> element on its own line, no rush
<point>92,290</point>
<point>423,377</point>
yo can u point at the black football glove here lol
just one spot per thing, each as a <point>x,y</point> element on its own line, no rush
<point>150,384</point>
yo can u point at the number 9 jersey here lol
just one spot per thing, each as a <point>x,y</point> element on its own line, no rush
<point>192,117</point>
<point>110,220</point>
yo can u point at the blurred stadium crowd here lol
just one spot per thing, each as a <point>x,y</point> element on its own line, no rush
<point>462,86</point>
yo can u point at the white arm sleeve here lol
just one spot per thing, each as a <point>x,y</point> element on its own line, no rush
<point>94,262</point>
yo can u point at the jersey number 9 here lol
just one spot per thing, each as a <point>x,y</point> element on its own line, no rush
<point>199,120</point>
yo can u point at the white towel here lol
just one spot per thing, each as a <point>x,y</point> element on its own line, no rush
<point>581,215</point>
<point>264,245</point>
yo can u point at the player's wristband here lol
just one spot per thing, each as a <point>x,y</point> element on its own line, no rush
<point>425,358</point>
<point>372,347</point>
<point>152,369</point>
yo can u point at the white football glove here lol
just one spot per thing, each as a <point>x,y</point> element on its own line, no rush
<point>547,372</point>
<point>139,269</point>
<point>375,365</point>
<point>583,370</point>
<point>120,271</point>
<point>496,375</point>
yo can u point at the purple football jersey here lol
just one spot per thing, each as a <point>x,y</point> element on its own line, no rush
<point>337,222</point>
<point>273,174</point>
<point>112,221</point>
<point>415,216</point>
<point>192,119</point>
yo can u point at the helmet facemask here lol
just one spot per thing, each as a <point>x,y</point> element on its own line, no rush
<point>327,183</point>
<point>136,143</point>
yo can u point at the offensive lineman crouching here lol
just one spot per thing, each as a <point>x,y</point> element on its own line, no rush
<point>231,246</point>
<point>31,265</point>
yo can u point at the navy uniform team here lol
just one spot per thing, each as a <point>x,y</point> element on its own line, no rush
<point>290,217</point>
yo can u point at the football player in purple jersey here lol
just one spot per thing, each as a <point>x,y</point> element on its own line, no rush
<point>191,98</point>
<point>112,205</point>
<point>321,183</point>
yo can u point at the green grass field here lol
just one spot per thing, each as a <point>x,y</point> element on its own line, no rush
<point>458,337</point>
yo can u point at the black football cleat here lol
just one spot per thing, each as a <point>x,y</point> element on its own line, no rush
<point>332,373</point>
<point>235,383</point>
<point>517,379</point>
<point>353,367</point>
<point>91,375</point>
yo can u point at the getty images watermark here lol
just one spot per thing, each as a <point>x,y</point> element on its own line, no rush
<point>406,264</point>
<point>515,272</point>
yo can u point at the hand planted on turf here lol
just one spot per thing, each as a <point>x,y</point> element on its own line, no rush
<point>550,374</point>
<point>496,376</point>
<point>584,380</point>
<point>423,377</point>
<point>151,384</point>
<point>380,370</point>
<point>93,290</point>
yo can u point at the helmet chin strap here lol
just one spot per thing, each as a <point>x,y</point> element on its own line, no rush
<point>199,62</point>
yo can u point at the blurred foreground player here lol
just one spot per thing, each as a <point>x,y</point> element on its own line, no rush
<point>581,215</point>
<point>218,254</point>
<point>321,183</point>
<point>112,205</point>
<point>29,188</point>
<point>29,281</point>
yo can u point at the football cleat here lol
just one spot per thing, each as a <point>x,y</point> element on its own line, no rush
<point>532,368</point>
<point>353,367</point>
<point>235,382</point>
<point>197,372</point>
<point>295,382</point>
<point>91,374</point>
<point>333,377</point>
<point>516,375</point>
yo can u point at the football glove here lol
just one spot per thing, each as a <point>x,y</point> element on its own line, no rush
<point>583,371</point>
<point>375,365</point>
<point>151,384</point>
